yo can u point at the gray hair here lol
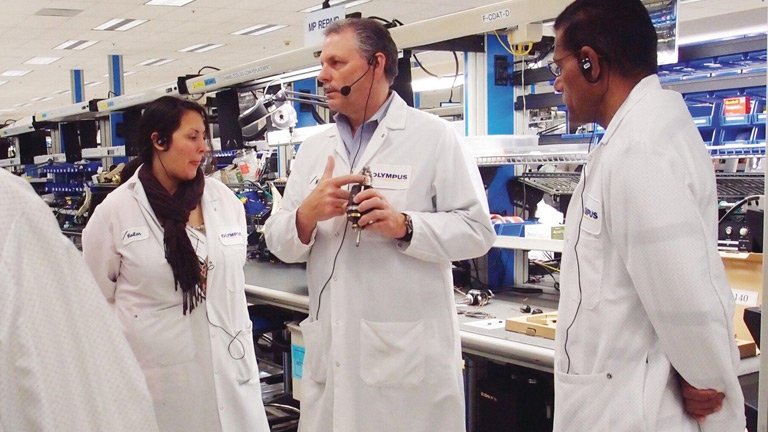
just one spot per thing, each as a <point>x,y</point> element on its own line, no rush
<point>372,38</point>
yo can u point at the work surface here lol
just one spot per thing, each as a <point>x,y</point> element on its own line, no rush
<point>285,286</point>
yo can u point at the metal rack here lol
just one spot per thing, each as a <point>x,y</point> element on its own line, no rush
<point>532,158</point>
<point>739,185</point>
<point>729,185</point>
<point>555,184</point>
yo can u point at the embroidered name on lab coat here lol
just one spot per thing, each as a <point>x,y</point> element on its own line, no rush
<point>391,176</point>
<point>231,236</point>
<point>134,234</point>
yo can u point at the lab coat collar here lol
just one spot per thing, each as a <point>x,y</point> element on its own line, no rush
<point>645,86</point>
<point>134,185</point>
<point>393,120</point>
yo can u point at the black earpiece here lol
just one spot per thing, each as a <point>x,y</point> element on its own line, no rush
<point>372,60</point>
<point>586,69</point>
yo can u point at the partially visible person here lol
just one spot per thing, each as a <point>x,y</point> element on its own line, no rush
<point>64,363</point>
<point>167,248</point>
<point>644,300</point>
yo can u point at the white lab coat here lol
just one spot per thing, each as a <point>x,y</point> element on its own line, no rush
<point>64,364</point>
<point>385,353</point>
<point>196,381</point>
<point>654,297</point>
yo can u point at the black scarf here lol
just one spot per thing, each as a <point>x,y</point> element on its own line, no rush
<point>173,212</point>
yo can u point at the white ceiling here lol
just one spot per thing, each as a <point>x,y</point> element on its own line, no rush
<point>169,29</point>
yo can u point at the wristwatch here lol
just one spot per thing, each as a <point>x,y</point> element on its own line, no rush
<point>408,229</point>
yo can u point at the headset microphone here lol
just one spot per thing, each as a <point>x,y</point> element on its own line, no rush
<point>347,89</point>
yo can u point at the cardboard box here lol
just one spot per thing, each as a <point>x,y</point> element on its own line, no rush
<point>745,275</point>
<point>542,325</point>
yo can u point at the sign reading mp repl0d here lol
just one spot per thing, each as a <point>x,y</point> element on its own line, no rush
<point>316,23</point>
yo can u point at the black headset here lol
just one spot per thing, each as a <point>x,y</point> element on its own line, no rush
<point>586,69</point>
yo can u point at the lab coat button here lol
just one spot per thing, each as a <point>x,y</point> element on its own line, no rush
<point>609,376</point>
<point>216,372</point>
<point>337,234</point>
<point>221,408</point>
<point>338,364</point>
<point>399,244</point>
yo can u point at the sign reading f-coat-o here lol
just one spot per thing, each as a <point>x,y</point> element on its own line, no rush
<point>316,23</point>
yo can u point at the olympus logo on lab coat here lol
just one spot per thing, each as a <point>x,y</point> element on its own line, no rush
<point>592,217</point>
<point>391,176</point>
<point>134,234</point>
<point>231,236</point>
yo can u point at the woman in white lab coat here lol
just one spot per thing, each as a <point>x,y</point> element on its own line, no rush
<point>167,249</point>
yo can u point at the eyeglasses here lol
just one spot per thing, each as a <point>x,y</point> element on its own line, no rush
<point>555,68</point>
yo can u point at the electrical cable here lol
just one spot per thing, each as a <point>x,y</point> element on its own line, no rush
<point>578,232</point>
<point>207,67</point>
<point>361,129</point>
<point>455,75</point>
<point>738,205</point>
<point>423,68</point>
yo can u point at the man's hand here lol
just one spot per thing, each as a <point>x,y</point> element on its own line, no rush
<point>328,200</point>
<point>700,403</point>
<point>381,217</point>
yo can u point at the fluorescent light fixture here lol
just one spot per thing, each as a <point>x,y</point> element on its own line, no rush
<point>62,92</point>
<point>432,83</point>
<point>125,74</point>
<point>155,62</point>
<point>733,33</point>
<point>8,110</point>
<point>349,4</point>
<point>120,24</point>
<point>42,99</point>
<point>688,1</point>
<point>73,44</point>
<point>42,60</point>
<point>93,83</point>
<point>259,29</point>
<point>54,12</point>
<point>177,3</point>
<point>199,48</point>
<point>23,104</point>
<point>15,73</point>
<point>3,82</point>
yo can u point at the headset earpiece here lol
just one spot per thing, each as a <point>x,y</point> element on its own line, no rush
<point>372,61</point>
<point>586,69</point>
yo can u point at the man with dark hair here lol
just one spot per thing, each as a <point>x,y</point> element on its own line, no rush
<point>644,298</point>
<point>382,340</point>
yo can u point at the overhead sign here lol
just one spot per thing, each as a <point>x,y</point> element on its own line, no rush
<point>316,22</point>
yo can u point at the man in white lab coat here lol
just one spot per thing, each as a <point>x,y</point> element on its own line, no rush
<point>64,363</point>
<point>382,339</point>
<point>644,301</point>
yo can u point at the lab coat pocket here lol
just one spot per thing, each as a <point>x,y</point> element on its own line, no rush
<point>582,402</point>
<point>392,353</point>
<point>247,367</point>
<point>590,274</point>
<point>163,338</point>
<point>316,351</point>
